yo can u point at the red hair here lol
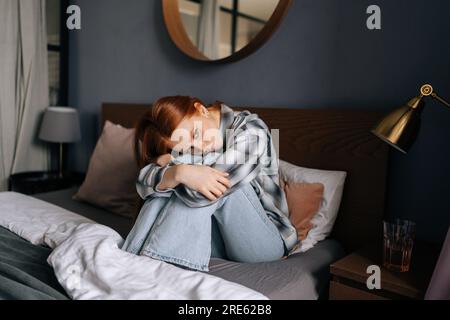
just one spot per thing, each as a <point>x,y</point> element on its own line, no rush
<point>155,128</point>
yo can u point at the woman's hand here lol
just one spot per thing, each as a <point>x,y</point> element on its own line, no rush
<point>164,160</point>
<point>210,182</point>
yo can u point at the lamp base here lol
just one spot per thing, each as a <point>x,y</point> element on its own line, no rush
<point>61,163</point>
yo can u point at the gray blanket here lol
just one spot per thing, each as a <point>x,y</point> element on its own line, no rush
<point>24,272</point>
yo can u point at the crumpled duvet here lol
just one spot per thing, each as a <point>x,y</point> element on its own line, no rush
<point>89,264</point>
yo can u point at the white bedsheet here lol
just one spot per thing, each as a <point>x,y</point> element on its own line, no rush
<point>89,264</point>
<point>32,219</point>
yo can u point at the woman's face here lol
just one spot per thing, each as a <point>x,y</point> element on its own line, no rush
<point>198,134</point>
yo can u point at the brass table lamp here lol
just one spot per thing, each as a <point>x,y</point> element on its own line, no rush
<point>400,127</point>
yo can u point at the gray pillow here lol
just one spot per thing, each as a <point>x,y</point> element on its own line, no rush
<point>110,182</point>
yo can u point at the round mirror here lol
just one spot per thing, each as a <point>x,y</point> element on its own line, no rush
<point>222,30</point>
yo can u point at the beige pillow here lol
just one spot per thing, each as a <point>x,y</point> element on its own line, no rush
<point>304,201</point>
<point>111,178</point>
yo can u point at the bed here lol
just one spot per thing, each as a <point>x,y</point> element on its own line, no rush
<point>322,139</point>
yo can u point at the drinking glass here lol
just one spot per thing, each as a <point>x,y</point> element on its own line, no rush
<point>398,244</point>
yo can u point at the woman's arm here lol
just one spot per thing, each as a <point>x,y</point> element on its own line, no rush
<point>249,150</point>
<point>158,177</point>
<point>162,177</point>
<point>149,180</point>
<point>247,154</point>
<point>209,182</point>
<point>198,186</point>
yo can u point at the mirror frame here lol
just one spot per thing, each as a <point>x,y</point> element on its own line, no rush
<point>174,24</point>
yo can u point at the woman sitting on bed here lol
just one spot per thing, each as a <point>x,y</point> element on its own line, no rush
<point>211,187</point>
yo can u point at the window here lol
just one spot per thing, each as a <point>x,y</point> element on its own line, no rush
<point>57,44</point>
<point>240,21</point>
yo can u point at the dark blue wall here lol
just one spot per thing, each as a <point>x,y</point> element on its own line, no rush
<point>322,57</point>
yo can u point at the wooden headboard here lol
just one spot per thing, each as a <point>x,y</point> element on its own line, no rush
<point>322,139</point>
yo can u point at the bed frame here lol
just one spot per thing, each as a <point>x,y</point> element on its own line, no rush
<point>322,139</point>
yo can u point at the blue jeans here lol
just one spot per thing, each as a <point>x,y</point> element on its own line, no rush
<point>236,228</point>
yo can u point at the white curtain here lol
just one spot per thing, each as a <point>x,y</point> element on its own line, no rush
<point>23,86</point>
<point>209,29</point>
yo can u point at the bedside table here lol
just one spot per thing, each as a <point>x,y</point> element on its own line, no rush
<point>41,182</point>
<point>349,275</point>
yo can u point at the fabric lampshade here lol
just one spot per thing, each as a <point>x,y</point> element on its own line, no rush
<point>60,125</point>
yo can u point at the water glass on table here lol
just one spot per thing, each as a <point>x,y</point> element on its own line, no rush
<point>398,244</point>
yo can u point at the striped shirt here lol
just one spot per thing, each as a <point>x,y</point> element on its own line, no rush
<point>248,156</point>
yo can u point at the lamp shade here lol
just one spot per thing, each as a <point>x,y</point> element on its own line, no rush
<point>60,125</point>
<point>401,127</point>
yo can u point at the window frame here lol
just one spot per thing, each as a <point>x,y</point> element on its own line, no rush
<point>63,50</point>
<point>235,15</point>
